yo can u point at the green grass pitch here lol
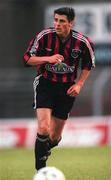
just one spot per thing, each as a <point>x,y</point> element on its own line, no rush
<point>92,163</point>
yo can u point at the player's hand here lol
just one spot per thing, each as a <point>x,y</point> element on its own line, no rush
<point>57,58</point>
<point>74,90</point>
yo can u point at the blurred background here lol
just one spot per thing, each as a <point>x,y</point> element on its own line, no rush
<point>20,20</point>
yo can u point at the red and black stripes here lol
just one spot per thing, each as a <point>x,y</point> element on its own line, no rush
<point>76,48</point>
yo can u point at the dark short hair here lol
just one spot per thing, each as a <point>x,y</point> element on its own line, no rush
<point>69,12</point>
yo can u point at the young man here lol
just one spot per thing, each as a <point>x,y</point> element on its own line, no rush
<point>57,52</point>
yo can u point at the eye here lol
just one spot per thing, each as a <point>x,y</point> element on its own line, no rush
<point>62,21</point>
<point>55,19</point>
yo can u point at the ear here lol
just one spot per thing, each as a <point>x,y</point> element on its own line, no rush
<point>72,23</point>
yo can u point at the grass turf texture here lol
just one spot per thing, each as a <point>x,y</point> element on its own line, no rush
<point>76,163</point>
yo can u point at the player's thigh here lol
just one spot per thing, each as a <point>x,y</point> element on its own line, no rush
<point>43,119</point>
<point>56,128</point>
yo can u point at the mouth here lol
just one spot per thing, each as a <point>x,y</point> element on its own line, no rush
<point>58,30</point>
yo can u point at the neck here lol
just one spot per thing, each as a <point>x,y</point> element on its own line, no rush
<point>65,37</point>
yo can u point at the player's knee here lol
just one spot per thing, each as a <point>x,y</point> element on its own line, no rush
<point>43,128</point>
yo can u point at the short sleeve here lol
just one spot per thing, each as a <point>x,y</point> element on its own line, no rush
<point>33,49</point>
<point>88,59</point>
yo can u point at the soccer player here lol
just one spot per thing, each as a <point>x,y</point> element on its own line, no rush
<point>57,52</point>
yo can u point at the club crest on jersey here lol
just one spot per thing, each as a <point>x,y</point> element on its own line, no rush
<point>75,53</point>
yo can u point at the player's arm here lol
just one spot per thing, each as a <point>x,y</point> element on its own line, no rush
<point>33,55</point>
<point>35,60</point>
<point>75,89</point>
<point>83,76</point>
<point>87,64</point>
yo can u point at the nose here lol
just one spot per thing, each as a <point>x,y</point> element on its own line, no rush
<point>57,23</point>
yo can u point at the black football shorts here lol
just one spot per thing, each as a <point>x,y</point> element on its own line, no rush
<point>48,94</point>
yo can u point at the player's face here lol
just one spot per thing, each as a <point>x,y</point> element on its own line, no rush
<point>62,25</point>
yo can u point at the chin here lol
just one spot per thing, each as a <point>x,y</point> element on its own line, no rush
<point>59,33</point>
